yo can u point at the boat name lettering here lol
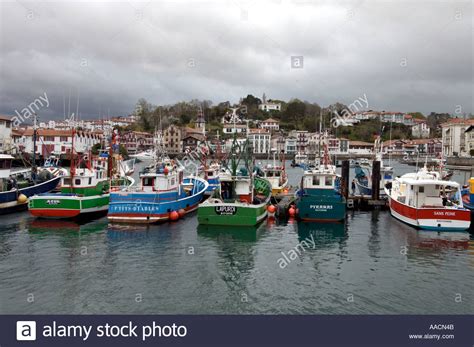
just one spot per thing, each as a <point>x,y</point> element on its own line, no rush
<point>225,210</point>
<point>53,202</point>
<point>442,213</point>
<point>321,207</point>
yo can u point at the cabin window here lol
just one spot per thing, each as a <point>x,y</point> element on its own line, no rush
<point>77,181</point>
<point>148,181</point>
<point>328,181</point>
<point>269,174</point>
<point>315,180</point>
<point>421,189</point>
<point>90,180</point>
<point>67,181</point>
<point>210,174</point>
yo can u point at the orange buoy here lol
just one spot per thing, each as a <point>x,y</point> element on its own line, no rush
<point>166,171</point>
<point>181,212</point>
<point>271,208</point>
<point>285,191</point>
<point>292,212</point>
<point>174,215</point>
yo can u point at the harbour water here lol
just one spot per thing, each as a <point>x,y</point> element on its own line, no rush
<point>371,264</point>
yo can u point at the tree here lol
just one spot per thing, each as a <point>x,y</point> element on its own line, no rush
<point>435,120</point>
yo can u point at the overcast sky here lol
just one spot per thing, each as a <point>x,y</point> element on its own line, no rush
<point>402,55</point>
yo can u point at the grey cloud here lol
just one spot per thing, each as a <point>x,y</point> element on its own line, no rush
<point>114,53</point>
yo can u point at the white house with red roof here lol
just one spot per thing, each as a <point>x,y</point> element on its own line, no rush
<point>270,124</point>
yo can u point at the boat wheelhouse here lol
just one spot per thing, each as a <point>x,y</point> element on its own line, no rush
<point>425,201</point>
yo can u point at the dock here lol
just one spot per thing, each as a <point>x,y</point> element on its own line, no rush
<point>366,203</point>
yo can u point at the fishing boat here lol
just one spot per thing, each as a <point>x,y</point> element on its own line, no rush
<point>425,201</point>
<point>84,192</point>
<point>300,160</point>
<point>363,172</point>
<point>162,193</point>
<point>276,175</point>
<point>16,186</point>
<point>319,197</point>
<point>242,197</point>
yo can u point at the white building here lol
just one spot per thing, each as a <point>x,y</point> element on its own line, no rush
<point>5,133</point>
<point>290,145</point>
<point>51,141</point>
<point>454,136</point>
<point>302,140</point>
<point>469,136</point>
<point>420,130</point>
<point>260,140</point>
<point>270,124</point>
<point>269,105</point>
<point>234,129</point>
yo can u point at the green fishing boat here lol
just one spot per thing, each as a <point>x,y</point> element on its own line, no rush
<point>85,191</point>
<point>241,198</point>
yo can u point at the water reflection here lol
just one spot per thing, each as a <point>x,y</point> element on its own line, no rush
<point>439,240</point>
<point>43,227</point>
<point>240,233</point>
<point>325,235</point>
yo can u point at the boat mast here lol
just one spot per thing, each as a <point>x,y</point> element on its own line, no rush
<point>72,164</point>
<point>33,167</point>
<point>111,152</point>
<point>320,132</point>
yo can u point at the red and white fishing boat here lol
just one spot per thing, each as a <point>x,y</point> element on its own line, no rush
<point>425,201</point>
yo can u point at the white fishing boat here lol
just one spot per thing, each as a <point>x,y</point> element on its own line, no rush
<point>425,201</point>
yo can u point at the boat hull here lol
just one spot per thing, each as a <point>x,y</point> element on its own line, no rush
<point>441,219</point>
<point>236,214</point>
<point>320,208</point>
<point>146,208</point>
<point>59,206</point>
<point>8,200</point>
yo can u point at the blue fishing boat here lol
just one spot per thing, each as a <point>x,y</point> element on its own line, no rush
<point>17,186</point>
<point>162,194</point>
<point>319,197</point>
